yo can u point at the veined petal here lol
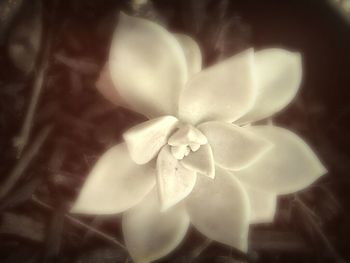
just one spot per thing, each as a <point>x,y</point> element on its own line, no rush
<point>234,147</point>
<point>146,139</point>
<point>115,184</point>
<point>192,53</point>
<point>201,161</point>
<point>148,66</point>
<point>175,182</point>
<point>150,234</point>
<point>278,76</point>
<point>262,203</point>
<point>225,91</point>
<point>288,167</point>
<point>219,209</point>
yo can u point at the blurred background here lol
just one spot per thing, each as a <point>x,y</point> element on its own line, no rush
<point>54,123</point>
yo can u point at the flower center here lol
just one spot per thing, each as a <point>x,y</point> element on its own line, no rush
<point>186,139</point>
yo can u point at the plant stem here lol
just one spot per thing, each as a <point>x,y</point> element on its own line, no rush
<point>23,163</point>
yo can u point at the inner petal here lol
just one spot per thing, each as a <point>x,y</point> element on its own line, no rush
<point>186,139</point>
<point>179,151</point>
<point>186,135</point>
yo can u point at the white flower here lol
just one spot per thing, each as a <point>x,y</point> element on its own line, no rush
<point>196,161</point>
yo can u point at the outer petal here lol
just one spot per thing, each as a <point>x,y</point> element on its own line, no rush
<point>192,53</point>
<point>219,209</point>
<point>262,203</point>
<point>106,87</point>
<point>201,161</point>
<point>175,182</point>
<point>278,76</point>
<point>145,140</point>
<point>150,234</point>
<point>288,167</point>
<point>148,66</point>
<point>225,91</point>
<point>234,147</point>
<point>115,184</point>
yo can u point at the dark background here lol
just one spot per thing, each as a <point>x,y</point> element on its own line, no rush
<point>73,124</point>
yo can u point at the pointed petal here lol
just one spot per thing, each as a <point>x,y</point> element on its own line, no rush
<point>224,91</point>
<point>262,203</point>
<point>278,76</point>
<point>174,181</point>
<point>146,139</point>
<point>219,209</point>
<point>150,234</point>
<point>115,184</point>
<point>192,53</point>
<point>201,161</point>
<point>234,147</point>
<point>148,66</point>
<point>288,167</point>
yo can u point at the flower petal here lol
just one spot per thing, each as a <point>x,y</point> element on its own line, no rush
<point>201,161</point>
<point>146,139</point>
<point>278,76</point>
<point>174,181</point>
<point>192,53</point>
<point>288,167</point>
<point>225,91</point>
<point>148,66</point>
<point>106,87</point>
<point>115,184</point>
<point>234,147</point>
<point>219,209</point>
<point>262,203</point>
<point>150,234</point>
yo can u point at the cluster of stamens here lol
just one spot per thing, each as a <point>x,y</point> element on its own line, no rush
<point>186,139</point>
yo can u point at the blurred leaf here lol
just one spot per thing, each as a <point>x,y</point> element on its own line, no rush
<point>23,254</point>
<point>21,226</point>
<point>316,236</point>
<point>24,162</point>
<point>25,36</point>
<point>223,259</point>
<point>54,236</point>
<point>83,66</point>
<point>105,255</point>
<point>21,194</point>
<point>8,11</point>
<point>274,240</point>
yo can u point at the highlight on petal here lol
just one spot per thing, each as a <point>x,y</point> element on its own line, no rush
<point>201,161</point>
<point>115,184</point>
<point>150,234</point>
<point>262,203</point>
<point>146,139</point>
<point>174,181</point>
<point>148,66</point>
<point>234,147</point>
<point>192,53</point>
<point>288,167</point>
<point>220,210</point>
<point>278,76</point>
<point>225,91</point>
<point>106,87</point>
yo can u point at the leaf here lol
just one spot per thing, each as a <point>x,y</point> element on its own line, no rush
<point>25,38</point>
<point>21,226</point>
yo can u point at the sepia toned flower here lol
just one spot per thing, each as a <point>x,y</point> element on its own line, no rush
<point>199,159</point>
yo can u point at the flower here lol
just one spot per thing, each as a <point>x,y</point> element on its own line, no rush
<point>196,160</point>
